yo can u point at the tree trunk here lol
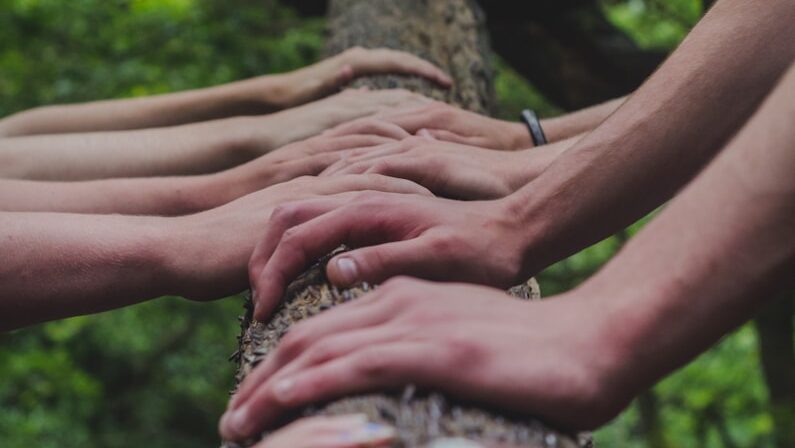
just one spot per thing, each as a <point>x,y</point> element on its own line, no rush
<point>452,35</point>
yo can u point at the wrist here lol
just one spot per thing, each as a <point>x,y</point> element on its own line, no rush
<point>529,228</point>
<point>518,136</point>
<point>613,378</point>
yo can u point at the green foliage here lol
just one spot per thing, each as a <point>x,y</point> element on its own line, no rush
<point>155,374</point>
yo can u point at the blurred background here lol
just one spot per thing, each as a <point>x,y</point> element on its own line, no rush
<point>157,374</point>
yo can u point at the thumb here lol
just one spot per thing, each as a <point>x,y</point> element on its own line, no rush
<point>376,264</point>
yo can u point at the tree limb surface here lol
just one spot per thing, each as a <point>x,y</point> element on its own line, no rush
<point>452,34</point>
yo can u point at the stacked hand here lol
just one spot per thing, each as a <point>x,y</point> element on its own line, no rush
<point>546,359</point>
<point>315,81</point>
<point>448,169</point>
<point>279,129</point>
<point>209,251</point>
<point>396,234</point>
<point>448,123</point>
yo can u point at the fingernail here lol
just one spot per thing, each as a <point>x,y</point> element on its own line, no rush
<point>283,390</point>
<point>348,270</point>
<point>237,421</point>
<point>424,133</point>
<point>369,433</point>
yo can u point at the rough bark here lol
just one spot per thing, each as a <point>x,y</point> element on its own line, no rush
<point>451,34</point>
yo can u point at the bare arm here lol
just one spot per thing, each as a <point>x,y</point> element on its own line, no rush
<point>637,159</point>
<point>712,258</point>
<point>704,266</point>
<point>663,135</point>
<point>55,265</point>
<point>575,123</point>
<point>254,96</point>
<point>187,149</point>
<point>179,195</point>
<point>451,124</point>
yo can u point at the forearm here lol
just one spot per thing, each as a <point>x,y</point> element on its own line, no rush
<point>181,150</point>
<point>566,126</point>
<point>249,97</point>
<point>569,125</point>
<point>711,259</point>
<point>667,131</point>
<point>161,196</point>
<point>59,265</point>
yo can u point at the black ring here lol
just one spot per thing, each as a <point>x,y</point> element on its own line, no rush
<point>534,126</point>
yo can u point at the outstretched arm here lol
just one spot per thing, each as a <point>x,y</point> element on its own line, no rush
<point>706,264</point>
<point>637,159</point>
<point>663,134</point>
<point>259,95</point>
<point>55,265</point>
<point>180,195</point>
<point>196,148</point>
<point>451,124</point>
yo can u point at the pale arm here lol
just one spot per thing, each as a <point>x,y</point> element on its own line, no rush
<point>56,265</point>
<point>187,149</point>
<point>254,96</point>
<point>179,195</point>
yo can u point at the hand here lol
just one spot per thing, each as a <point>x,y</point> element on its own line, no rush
<point>346,431</point>
<point>451,124</point>
<point>210,250</point>
<point>276,130</point>
<point>447,169</point>
<point>324,77</point>
<point>546,359</point>
<point>428,237</point>
<point>303,158</point>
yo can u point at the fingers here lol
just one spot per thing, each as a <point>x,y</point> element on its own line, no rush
<point>295,247</point>
<point>382,60</point>
<point>374,182</point>
<point>304,348</point>
<point>368,368</point>
<point>375,264</point>
<point>447,136</point>
<point>345,431</point>
<point>349,141</point>
<point>369,126</point>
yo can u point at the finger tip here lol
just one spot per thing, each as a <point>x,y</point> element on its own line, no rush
<point>342,271</point>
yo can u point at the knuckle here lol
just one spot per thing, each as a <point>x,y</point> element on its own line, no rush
<point>463,350</point>
<point>291,236</point>
<point>371,363</point>
<point>283,213</point>
<point>444,242</point>
<point>294,341</point>
<point>381,167</point>
<point>323,351</point>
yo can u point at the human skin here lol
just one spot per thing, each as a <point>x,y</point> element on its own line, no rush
<point>347,431</point>
<point>197,148</point>
<point>180,195</point>
<point>451,124</point>
<point>704,266</point>
<point>58,265</point>
<point>637,159</point>
<point>254,96</point>
<point>453,170</point>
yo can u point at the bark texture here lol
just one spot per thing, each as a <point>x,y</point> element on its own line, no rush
<point>451,34</point>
